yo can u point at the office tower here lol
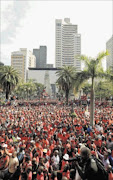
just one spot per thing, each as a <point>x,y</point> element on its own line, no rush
<point>109,58</point>
<point>68,44</point>
<point>41,56</point>
<point>77,51</point>
<point>31,59</point>
<point>21,60</point>
<point>49,65</point>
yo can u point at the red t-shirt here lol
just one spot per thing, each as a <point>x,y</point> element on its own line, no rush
<point>110,176</point>
<point>29,176</point>
<point>66,174</point>
<point>3,160</point>
<point>40,177</point>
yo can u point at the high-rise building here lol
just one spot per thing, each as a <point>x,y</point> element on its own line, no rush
<point>31,59</point>
<point>41,56</point>
<point>49,65</point>
<point>109,58</point>
<point>68,44</point>
<point>21,60</point>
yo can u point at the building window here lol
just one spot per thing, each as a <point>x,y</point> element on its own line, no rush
<point>58,24</point>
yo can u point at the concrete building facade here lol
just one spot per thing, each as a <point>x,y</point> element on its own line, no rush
<point>109,58</point>
<point>46,76</point>
<point>41,56</point>
<point>67,44</point>
<point>49,65</point>
<point>31,59</point>
<point>21,60</point>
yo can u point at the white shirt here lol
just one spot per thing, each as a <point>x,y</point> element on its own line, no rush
<point>56,160</point>
<point>105,161</point>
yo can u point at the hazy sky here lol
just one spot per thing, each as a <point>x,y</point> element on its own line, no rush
<point>29,24</point>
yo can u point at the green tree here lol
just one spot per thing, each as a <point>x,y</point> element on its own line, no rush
<point>86,88</point>
<point>65,80</point>
<point>103,89</point>
<point>26,89</point>
<point>39,88</point>
<point>93,69</point>
<point>19,90</point>
<point>8,79</point>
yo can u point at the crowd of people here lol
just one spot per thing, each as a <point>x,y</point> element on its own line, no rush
<point>45,143</point>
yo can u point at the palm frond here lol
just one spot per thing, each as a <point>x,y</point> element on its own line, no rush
<point>80,78</point>
<point>101,56</point>
<point>86,60</point>
<point>8,77</point>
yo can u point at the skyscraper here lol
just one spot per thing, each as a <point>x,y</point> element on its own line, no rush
<point>109,58</point>
<point>41,56</point>
<point>21,60</point>
<point>68,44</point>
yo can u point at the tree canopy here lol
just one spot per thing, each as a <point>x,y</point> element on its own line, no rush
<point>93,69</point>
<point>65,79</point>
<point>9,78</point>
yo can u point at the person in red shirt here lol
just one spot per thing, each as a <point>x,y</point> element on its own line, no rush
<point>4,162</point>
<point>40,152</point>
<point>37,157</point>
<point>29,173</point>
<point>64,161</point>
<point>40,175</point>
<point>110,176</point>
<point>65,171</point>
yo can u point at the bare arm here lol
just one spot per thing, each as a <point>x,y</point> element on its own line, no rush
<point>6,151</point>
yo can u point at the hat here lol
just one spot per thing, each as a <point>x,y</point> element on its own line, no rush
<point>45,150</point>
<point>18,138</point>
<point>109,151</point>
<point>80,144</point>
<point>32,141</point>
<point>56,151</point>
<point>66,157</point>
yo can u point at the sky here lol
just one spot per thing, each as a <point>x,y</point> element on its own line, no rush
<point>30,24</point>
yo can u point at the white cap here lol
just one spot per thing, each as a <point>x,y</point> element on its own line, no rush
<point>66,157</point>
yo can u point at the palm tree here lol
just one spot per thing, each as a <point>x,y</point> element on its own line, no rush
<point>8,79</point>
<point>103,89</point>
<point>30,88</point>
<point>86,88</point>
<point>92,70</point>
<point>65,78</point>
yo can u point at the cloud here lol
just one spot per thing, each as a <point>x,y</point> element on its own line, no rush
<point>12,14</point>
<point>6,57</point>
